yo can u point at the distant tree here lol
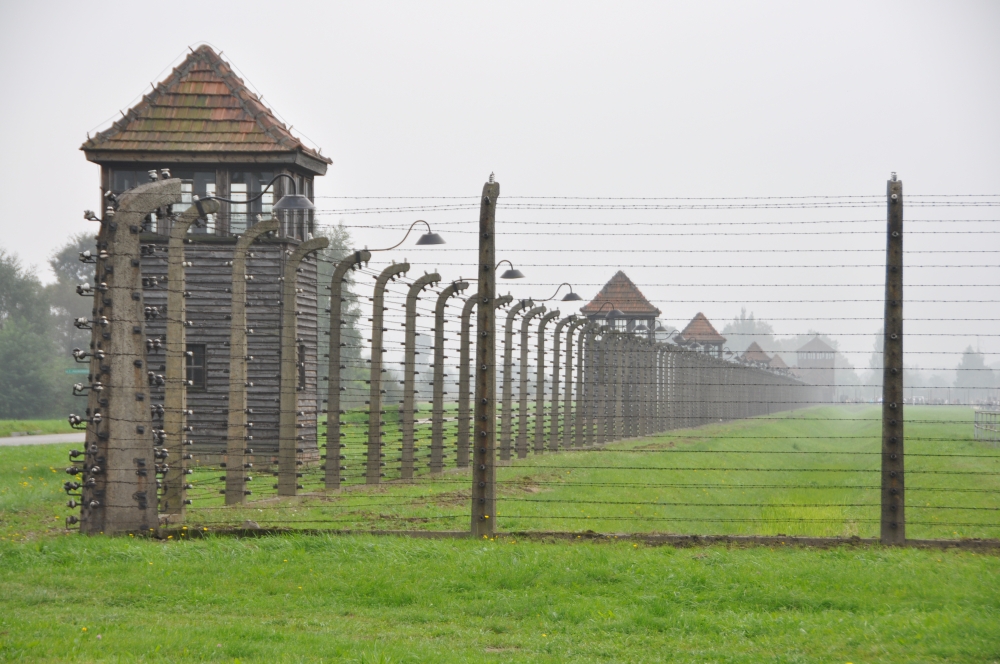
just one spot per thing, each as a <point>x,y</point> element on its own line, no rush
<point>26,349</point>
<point>744,330</point>
<point>65,303</point>
<point>973,378</point>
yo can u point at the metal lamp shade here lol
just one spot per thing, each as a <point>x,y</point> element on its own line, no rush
<point>293,202</point>
<point>571,296</point>
<point>430,238</point>
<point>615,313</point>
<point>512,274</point>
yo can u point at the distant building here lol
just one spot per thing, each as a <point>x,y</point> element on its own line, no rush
<point>621,294</point>
<point>754,353</point>
<point>815,364</point>
<point>700,332</point>
<point>777,363</point>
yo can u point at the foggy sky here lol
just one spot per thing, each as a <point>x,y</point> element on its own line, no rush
<point>575,99</point>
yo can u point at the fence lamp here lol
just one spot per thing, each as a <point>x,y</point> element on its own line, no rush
<point>568,297</point>
<point>427,238</point>
<point>611,315</point>
<point>512,273</point>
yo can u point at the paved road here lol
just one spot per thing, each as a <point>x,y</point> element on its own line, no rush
<point>43,440</point>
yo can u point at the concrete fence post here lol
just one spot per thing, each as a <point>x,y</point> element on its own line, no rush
<point>408,409</point>
<point>540,382</point>
<point>239,436</point>
<point>374,463</point>
<point>522,401</point>
<point>437,400</point>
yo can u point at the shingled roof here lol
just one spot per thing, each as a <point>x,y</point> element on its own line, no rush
<point>754,353</point>
<point>624,296</point>
<point>702,331</point>
<point>202,112</point>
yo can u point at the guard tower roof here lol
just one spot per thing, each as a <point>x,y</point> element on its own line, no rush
<point>624,296</point>
<point>202,112</point>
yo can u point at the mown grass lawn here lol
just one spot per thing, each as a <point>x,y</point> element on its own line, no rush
<point>311,598</point>
<point>363,598</point>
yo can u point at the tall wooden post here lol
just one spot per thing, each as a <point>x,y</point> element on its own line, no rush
<point>288,447</point>
<point>408,409</point>
<point>540,383</point>
<point>374,464</point>
<point>483,506</point>
<point>522,394</point>
<point>237,430</point>
<point>333,410</point>
<point>175,375</point>
<point>437,399</point>
<point>554,415</point>
<point>119,469</point>
<point>507,396</point>
<point>893,530</point>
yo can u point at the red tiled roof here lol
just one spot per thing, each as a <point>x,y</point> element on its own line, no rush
<point>624,296</point>
<point>700,330</point>
<point>755,353</point>
<point>201,107</point>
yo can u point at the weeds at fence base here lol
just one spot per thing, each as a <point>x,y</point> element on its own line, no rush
<point>647,539</point>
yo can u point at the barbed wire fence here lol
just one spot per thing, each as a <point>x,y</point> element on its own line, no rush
<point>451,408</point>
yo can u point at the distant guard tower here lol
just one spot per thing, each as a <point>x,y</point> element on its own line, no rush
<point>620,293</point>
<point>209,130</point>
<point>700,332</point>
<point>815,363</point>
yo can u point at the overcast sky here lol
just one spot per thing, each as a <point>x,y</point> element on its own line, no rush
<point>575,99</point>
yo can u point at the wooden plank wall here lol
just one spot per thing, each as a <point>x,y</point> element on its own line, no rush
<point>208,307</point>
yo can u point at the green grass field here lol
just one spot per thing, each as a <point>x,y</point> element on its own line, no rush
<point>363,598</point>
<point>7,427</point>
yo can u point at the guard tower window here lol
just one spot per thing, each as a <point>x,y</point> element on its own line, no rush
<point>197,374</point>
<point>244,185</point>
<point>200,184</point>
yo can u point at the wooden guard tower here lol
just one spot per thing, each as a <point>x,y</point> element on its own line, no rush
<point>701,332</point>
<point>621,294</point>
<point>205,126</point>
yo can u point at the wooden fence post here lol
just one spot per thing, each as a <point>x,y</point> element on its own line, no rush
<point>893,526</point>
<point>483,503</point>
